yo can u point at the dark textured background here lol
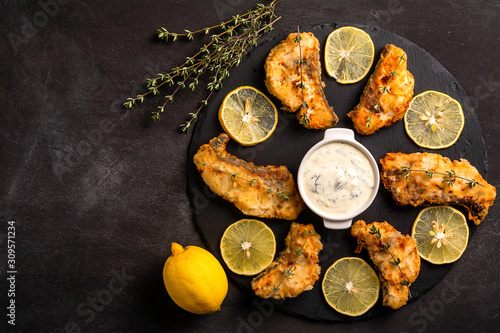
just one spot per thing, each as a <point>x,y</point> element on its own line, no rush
<point>98,195</point>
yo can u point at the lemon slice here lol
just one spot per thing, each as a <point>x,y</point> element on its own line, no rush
<point>349,54</point>
<point>351,286</point>
<point>441,234</point>
<point>434,120</point>
<point>248,247</point>
<point>248,116</point>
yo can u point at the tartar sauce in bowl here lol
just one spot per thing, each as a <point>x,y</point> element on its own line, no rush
<point>338,178</point>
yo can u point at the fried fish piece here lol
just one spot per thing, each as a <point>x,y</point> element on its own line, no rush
<point>387,246</point>
<point>433,179</point>
<point>296,269</point>
<point>387,94</point>
<point>283,80</point>
<point>262,191</point>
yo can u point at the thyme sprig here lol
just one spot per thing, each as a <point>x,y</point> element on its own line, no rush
<point>304,118</point>
<point>369,121</point>
<point>251,182</point>
<point>385,247</point>
<point>449,176</point>
<point>288,272</point>
<point>385,89</point>
<point>224,51</point>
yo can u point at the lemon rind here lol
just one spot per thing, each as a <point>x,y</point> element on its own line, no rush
<point>339,80</point>
<point>466,236</point>
<point>412,137</point>
<point>231,134</point>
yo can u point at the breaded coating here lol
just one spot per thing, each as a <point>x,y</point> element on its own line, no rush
<point>262,191</point>
<point>296,269</point>
<point>395,289</point>
<point>447,185</point>
<point>283,80</point>
<point>387,94</point>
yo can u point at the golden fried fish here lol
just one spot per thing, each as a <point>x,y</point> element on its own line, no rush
<point>431,179</point>
<point>283,80</point>
<point>387,94</point>
<point>386,247</point>
<point>296,269</point>
<point>262,191</point>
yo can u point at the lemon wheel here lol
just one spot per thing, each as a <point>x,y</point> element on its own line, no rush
<point>248,247</point>
<point>441,234</point>
<point>248,116</point>
<point>351,286</point>
<point>349,54</point>
<point>434,120</point>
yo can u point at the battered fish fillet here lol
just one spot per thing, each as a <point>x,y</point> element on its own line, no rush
<point>283,80</point>
<point>402,247</point>
<point>387,94</point>
<point>443,188</point>
<point>296,269</point>
<point>263,191</point>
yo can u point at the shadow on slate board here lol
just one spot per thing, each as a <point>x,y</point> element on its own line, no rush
<point>291,141</point>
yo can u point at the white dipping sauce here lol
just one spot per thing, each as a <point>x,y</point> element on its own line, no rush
<point>338,178</point>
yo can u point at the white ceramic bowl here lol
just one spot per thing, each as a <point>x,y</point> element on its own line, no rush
<point>332,221</point>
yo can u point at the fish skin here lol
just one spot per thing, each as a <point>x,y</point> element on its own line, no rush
<point>417,189</point>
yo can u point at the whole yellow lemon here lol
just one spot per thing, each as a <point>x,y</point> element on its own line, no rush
<point>195,280</point>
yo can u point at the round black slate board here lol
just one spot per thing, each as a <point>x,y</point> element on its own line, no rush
<point>291,141</point>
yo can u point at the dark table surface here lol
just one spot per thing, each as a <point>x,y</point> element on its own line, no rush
<point>96,195</point>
